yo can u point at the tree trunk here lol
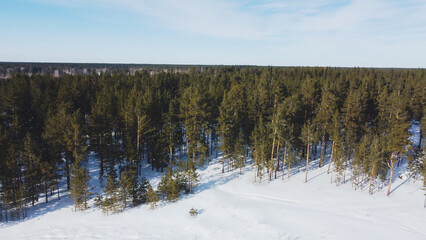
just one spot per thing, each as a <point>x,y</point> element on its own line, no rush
<point>138,132</point>
<point>211,145</point>
<point>215,148</point>
<point>322,151</point>
<point>187,148</point>
<point>223,163</point>
<point>331,158</point>
<point>141,159</point>
<point>391,172</point>
<point>278,159</point>
<point>307,161</point>
<point>101,172</point>
<point>45,191</point>
<point>150,156</point>
<point>67,169</point>
<point>272,153</point>
<point>325,148</point>
<point>171,158</point>
<point>315,148</point>
<point>284,157</point>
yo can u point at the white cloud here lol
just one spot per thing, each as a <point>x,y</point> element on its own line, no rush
<point>317,32</point>
<point>272,19</point>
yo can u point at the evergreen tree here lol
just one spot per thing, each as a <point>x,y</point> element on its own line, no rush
<point>194,112</point>
<point>323,119</point>
<point>173,191</point>
<point>31,174</point>
<point>307,135</point>
<point>377,161</point>
<point>291,109</point>
<point>260,148</point>
<point>111,202</point>
<point>139,191</point>
<point>359,161</point>
<point>239,152</point>
<point>164,185</point>
<point>151,197</point>
<point>397,135</point>
<point>192,177</point>
<point>126,184</point>
<point>79,188</point>
<point>171,129</point>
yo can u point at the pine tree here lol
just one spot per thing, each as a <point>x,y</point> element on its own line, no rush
<point>192,177</point>
<point>56,124</point>
<point>100,126</point>
<point>171,126</point>
<point>139,191</point>
<point>111,202</point>
<point>226,127</point>
<point>126,184</point>
<point>79,187</point>
<point>173,191</point>
<point>239,152</point>
<point>164,184</point>
<point>194,112</point>
<point>377,161</point>
<point>397,133</point>
<point>291,109</point>
<point>275,128</point>
<point>359,160</point>
<point>260,148</point>
<point>335,138</point>
<point>352,118</point>
<point>339,159</point>
<point>324,117</point>
<point>307,135</point>
<point>151,197</point>
<point>31,164</point>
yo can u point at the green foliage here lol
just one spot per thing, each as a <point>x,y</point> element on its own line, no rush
<point>173,191</point>
<point>151,197</point>
<point>191,178</point>
<point>32,172</point>
<point>139,191</point>
<point>126,186</point>
<point>111,202</point>
<point>48,125</point>
<point>164,184</point>
<point>79,190</point>
<point>239,157</point>
<point>172,183</point>
<point>260,147</point>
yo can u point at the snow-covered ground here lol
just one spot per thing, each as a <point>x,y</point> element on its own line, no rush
<point>233,206</point>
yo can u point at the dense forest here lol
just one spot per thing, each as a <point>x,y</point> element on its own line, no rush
<point>279,117</point>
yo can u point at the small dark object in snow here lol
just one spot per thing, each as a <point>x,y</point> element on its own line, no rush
<point>193,212</point>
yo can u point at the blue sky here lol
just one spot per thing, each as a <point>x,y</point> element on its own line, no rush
<point>364,33</point>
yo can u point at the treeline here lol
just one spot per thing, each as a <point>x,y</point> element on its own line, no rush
<point>281,117</point>
<point>89,68</point>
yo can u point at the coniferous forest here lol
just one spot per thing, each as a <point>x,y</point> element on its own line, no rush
<point>355,120</point>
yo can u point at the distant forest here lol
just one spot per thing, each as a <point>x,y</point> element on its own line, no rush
<point>60,69</point>
<point>279,117</point>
